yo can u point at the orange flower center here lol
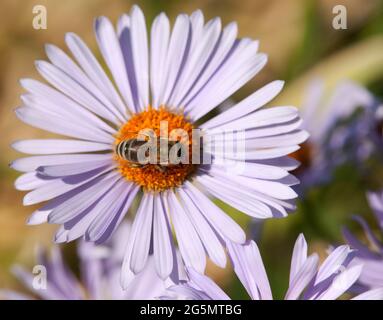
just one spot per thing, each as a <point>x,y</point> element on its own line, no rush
<point>155,177</point>
<point>304,156</point>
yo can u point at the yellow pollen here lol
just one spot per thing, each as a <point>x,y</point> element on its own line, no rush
<point>148,176</point>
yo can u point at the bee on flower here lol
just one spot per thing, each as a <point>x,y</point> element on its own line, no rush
<point>174,75</point>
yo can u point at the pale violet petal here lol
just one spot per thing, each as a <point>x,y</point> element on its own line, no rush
<point>250,104</point>
<point>226,44</point>
<point>83,200</point>
<point>110,48</point>
<point>250,270</point>
<point>176,51</point>
<point>224,83</point>
<point>219,219</point>
<point>206,233</point>
<point>162,240</point>
<point>58,146</point>
<point>56,102</point>
<point>33,162</point>
<point>141,241</point>
<point>190,245</point>
<point>61,60</point>
<point>375,201</point>
<point>140,55</point>
<point>60,125</point>
<point>341,283</point>
<point>64,170</point>
<point>93,69</point>
<point>264,117</point>
<point>203,45</point>
<point>109,209</point>
<point>29,181</point>
<point>298,258</point>
<point>303,277</point>
<point>242,200</point>
<point>159,38</point>
<point>207,285</point>
<point>73,89</point>
<point>333,263</point>
<point>374,294</point>
<point>58,187</point>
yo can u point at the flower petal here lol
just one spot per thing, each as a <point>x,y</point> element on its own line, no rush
<point>190,245</point>
<point>60,125</point>
<point>249,268</point>
<point>303,277</point>
<point>224,82</point>
<point>374,294</point>
<point>29,181</point>
<point>221,53</point>
<point>206,285</point>
<point>159,38</point>
<point>32,163</point>
<point>111,51</point>
<point>58,146</point>
<point>341,283</point>
<point>248,105</point>
<point>57,187</point>
<point>93,69</point>
<point>203,45</point>
<point>64,170</point>
<point>177,50</point>
<point>333,263</point>
<point>111,210</point>
<point>219,219</point>
<point>141,240</point>
<point>90,194</point>
<point>206,233</point>
<point>140,55</point>
<point>69,86</point>
<point>45,98</point>
<point>298,258</point>
<point>162,240</point>
<point>61,60</point>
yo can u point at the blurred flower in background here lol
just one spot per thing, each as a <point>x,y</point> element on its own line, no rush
<point>309,280</point>
<point>100,274</point>
<point>371,254</point>
<point>346,129</point>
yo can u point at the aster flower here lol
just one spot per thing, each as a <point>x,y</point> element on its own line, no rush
<point>345,128</point>
<point>371,256</point>
<point>177,76</point>
<point>309,280</point>
<point>100,275</point>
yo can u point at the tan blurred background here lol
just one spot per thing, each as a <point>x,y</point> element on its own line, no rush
<point>296,34</point>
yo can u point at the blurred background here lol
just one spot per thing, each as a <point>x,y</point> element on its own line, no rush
<point>301,43</point>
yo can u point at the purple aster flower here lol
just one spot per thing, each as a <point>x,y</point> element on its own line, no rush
<point>309,280</point>
<point>100,275</point>
<point>346,128</point>
<point>371,256</point>
<point>176,75</point>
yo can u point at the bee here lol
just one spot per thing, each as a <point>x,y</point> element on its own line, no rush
<point>128,150</point>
